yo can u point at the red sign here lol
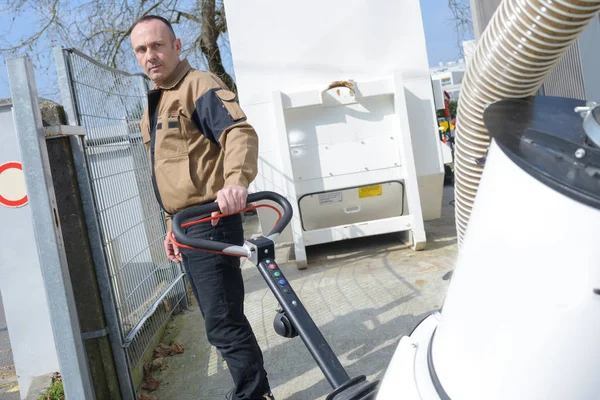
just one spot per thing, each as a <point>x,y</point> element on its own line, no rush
<point>12,185</point>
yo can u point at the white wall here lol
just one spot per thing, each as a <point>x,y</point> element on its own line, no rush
<point>21,284</point>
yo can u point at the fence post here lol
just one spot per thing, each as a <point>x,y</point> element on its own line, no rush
<point>79,256</point>
<point>67,333</point>
<point>95,238</point>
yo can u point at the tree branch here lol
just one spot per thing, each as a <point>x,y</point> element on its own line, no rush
<point>186,16</point>
<point>461,12</point>
<point>126,33</point>
<point>37,35</point>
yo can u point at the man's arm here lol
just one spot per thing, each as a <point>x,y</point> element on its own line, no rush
<point>220,117</point>
<point>240,144</point>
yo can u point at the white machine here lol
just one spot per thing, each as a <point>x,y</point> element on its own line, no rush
<point>521,319</point>
<point>340,95</point>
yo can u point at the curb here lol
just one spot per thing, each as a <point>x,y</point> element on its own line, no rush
<point>38,385</point>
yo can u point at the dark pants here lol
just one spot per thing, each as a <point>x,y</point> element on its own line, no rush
<point>217,283</point>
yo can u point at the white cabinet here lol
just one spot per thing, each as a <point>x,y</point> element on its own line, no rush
<point>322,141</point>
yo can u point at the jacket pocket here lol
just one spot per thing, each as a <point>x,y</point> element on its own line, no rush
<point>228,99</point>
<point>145,131</point>
<point>169,141</point>
<point>174,182</point>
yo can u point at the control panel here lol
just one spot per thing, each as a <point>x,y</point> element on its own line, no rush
<point>277,281</point>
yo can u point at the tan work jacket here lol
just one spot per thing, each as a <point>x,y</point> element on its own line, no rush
<point>198,139</point>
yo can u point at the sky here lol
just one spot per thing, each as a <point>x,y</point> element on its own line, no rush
<point>440,35</point>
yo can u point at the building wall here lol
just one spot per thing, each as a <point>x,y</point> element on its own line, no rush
<point>450,77</point>
<point>482,12</point>
<point>575,75</point>
<point>566,78</point>
<point>457,76</point>
<point>590,59</point>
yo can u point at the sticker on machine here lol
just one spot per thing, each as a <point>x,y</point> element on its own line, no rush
<point>13,192</point>
<point>370,191</point>
<point>330,198</point>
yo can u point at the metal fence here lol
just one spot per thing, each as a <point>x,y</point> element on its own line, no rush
<point>145,286</point>
<point>566,78</point>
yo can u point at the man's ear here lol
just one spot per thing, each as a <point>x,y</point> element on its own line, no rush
<point>178,46</point>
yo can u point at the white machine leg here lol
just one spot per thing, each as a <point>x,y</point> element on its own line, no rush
<point>300,251</point>
<point>418,240</point>
<point>417,232</point>
<point>290,190</point>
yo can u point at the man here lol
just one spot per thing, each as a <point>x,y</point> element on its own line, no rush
<point>202,150</point>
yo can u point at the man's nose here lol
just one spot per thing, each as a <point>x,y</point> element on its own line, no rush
<point>151,54</point>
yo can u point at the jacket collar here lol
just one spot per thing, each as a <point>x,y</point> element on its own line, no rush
<point>180,71</point>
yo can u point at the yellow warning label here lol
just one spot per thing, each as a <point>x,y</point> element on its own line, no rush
<point>370,191</point>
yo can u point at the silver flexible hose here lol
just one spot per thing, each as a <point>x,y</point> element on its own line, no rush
<point>522,43</point>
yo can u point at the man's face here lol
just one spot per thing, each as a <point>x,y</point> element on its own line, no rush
<point>156,49</point>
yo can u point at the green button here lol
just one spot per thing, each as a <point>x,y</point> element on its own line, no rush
<point>277,274</point>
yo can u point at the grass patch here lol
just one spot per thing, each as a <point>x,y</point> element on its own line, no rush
<point>56,391</point>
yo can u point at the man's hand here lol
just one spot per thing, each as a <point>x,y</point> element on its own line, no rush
<point>172,250</point>
<point>231,199</point>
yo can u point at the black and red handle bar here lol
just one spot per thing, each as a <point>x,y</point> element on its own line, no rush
<point>190,217</point>
<point>295,319</point>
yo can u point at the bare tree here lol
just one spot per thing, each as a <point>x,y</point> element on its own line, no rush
<point>102,28</point>
<point>461,12</point>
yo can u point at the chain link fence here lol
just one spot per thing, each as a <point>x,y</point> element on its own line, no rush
<point>145,285</point>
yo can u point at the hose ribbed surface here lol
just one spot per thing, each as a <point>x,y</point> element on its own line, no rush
<point>517,50</point>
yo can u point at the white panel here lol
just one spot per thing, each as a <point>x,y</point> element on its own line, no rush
<point>432,189</point>
<point>357,179</point>
<point>373,116</point>
<point>347,157</point>
<point>423,126</point>
<point>329,209</point>
<point>438,94</point>
<point>362,229</point>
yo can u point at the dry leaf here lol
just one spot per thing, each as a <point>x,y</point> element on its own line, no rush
<point>144,396</point>
<point>157,363</point>
<point>165,351</point>
<point>149,382</point>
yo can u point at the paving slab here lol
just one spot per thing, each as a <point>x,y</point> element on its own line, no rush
<point>364,294</point>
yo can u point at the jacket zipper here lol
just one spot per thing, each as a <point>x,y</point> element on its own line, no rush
<point>153,100</point>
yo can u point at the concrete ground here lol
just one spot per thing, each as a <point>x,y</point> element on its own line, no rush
<point>9,388</point>
<point>364,295</point>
